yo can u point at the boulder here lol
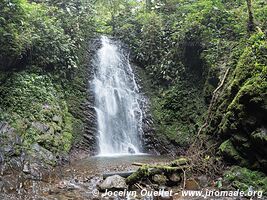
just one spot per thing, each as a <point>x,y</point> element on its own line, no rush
<point>175,178</point>
<point>131,150</point>
<point>113,182</point>
<point>203,181</point>
<point>160,179</point>
<point>43,154</point>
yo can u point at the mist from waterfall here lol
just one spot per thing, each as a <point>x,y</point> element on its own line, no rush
<point>116,93</point>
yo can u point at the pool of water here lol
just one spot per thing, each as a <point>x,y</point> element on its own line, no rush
<point>103,164</point>
<point>77,179</point>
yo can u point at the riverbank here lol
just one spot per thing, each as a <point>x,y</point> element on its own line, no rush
<point>93,178</point>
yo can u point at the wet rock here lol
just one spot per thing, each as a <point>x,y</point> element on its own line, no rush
<point>1,157</point>
<point>26,168</point>
<point>10,150</point>
<point>175,178</point>
<point>15,163</point>
<point>43,154</point>
<point>8,184</point>
<point>4,127</point>
<point>131,150</point>
<point>160,179</point>
<point>203,181</point>
<point>113,182</point>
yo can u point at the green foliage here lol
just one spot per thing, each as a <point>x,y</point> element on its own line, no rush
<point>240,114</point>
<point>13,33</point>
<point>42,46</point>
<point>47,35</point>
<point>176,112</point>
<point>36,108</point>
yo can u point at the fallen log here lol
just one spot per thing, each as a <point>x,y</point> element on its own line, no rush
<point>138,164</point>
<point>149,170</point>
<point>124,174</point>
<point>179,162</point>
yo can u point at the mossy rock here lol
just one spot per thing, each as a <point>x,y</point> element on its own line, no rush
<point>245,179</point>
<point>228,150</point>
<point>36,107</point>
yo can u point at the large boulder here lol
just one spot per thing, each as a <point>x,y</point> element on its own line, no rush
<point>113,182</point>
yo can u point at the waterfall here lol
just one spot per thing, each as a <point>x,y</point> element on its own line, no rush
<point>116,93</point>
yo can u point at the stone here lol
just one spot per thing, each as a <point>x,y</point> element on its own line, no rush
<point>160,179</point>
<point>1,157</point>
<point>203,181</point>
<point>43,154</point>
<point>113,182</point>
<point>175,178</point>
<point>40,126</point>
<point>191,184</point>
<point>131,150</point>
<point>57,119</point>
<point>4,127</point>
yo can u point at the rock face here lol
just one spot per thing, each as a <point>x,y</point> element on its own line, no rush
<point>18,166</point>
<point>150,140</point>
<point>9,148</point>
<point>113,182</point>
<point>239,117</point>
<point>88,142</point>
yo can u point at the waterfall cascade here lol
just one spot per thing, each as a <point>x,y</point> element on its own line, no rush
<point>119,116</point>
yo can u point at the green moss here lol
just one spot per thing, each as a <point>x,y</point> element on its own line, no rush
<point>228,150</point>
<point>177,112</point>
<point>140,174</point>
<point>36,108</point>
<point>241,109</point>
<point>180,161</point>
<point>243,179</point>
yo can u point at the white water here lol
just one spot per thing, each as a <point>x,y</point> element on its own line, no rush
<point>119,116</point>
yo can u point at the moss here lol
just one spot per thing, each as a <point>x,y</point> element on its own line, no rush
<point>177,111</point>
<point>32,103</point>
<point>241,109</point>
<point>140,174</point>
<point>243,179</point>
<point>228,150</point>
<point>180,161</point>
